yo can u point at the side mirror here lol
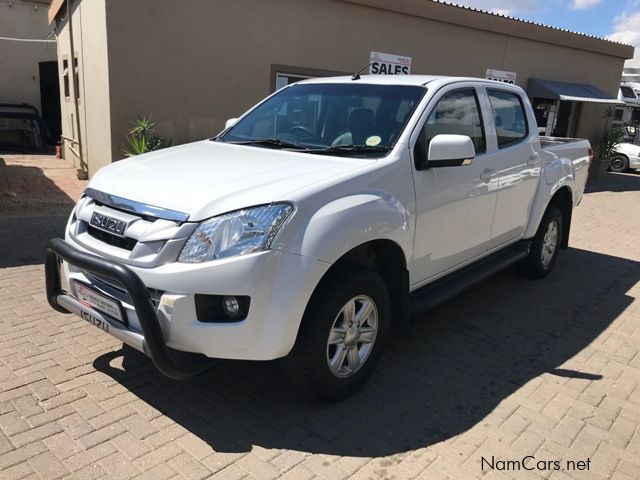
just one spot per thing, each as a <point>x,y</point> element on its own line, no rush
<point>450,151</point>
<point>230,123</point>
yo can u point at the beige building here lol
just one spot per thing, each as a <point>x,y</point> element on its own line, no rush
<point>193,64</point>
<point>28,69</point>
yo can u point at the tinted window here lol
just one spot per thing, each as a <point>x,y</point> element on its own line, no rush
<point>509,117</point>
<point>457,113</point>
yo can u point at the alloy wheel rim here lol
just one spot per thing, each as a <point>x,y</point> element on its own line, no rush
<point>352,336</point>
<point>549,243</point>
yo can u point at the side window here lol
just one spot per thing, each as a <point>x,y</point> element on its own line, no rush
<point>457,113</point>
<point>509,117</point>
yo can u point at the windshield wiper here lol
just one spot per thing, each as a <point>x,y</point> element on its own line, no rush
<point>351,149</point>
<point>271,142</point>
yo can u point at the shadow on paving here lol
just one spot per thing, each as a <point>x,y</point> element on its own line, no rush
<point>455,367</point>
<point>616,182</point>
<point>32,210</point>
<point>23,239</point>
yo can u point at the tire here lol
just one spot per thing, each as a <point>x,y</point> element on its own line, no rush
<point>545,245</point>
<point>619,164</point>
<point>307,366</point>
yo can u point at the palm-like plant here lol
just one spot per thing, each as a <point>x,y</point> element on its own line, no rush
<point>142,137</point>
<point>610,136</point>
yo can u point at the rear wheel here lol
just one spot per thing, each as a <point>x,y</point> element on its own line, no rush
<point>341,335</point>
<point>619,163</point>
<point>545,245</point>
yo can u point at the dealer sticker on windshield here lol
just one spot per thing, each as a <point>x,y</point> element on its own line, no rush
<point>373,140</point>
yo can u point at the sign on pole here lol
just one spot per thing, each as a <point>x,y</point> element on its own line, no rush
<point>389,64</point>
<point>501,76</point>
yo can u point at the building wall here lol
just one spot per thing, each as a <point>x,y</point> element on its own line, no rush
<point>193,65</point>
<point>20,76</point>
<point>552,62</point>
<point>90,46</point>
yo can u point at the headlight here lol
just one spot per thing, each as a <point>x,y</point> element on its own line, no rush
<point>236,233</point>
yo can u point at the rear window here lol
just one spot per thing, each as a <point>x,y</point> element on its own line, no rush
<point>509,117</point>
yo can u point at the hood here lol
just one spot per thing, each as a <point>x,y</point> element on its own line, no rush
<point>628,149</point>
<point>208,178</point>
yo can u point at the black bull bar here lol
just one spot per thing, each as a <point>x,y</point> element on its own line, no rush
<point>172,363</point>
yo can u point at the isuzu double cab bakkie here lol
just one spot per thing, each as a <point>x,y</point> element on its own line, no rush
<point>315,223</point>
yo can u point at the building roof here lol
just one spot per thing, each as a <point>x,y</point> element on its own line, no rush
<point>453,13</point>
<point>498,14</point>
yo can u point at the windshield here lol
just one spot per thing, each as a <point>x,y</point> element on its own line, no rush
<point>344,119</point>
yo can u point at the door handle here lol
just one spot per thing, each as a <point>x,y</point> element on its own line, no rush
<point>487,175</point>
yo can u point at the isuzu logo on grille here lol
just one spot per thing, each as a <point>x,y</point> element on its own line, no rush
<point>108,224</point>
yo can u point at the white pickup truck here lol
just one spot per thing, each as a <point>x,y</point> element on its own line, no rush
<point>314,224</point>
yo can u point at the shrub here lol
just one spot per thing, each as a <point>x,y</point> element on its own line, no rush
<point>142,137</point>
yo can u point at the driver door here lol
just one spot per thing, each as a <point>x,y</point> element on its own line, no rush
<point>454,205</point>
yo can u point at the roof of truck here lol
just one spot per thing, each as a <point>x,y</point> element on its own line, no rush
<point>419,80</point>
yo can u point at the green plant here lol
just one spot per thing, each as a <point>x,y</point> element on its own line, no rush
<point>610,136</point>
<point>142,137</point>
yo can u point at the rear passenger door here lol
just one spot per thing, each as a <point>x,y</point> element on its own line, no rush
<point>454,205</point>
<point>515,161</point>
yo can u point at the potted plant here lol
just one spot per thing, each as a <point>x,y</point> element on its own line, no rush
<point>610,135</point>
<point>142,137</point>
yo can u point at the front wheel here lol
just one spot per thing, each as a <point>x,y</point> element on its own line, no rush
<point>545,245</point>
<point>341,335</point>
<point>619,164</point>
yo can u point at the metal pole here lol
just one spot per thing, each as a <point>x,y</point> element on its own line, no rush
<point>76,93</point>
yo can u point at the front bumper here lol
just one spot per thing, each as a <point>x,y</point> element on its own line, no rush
<point>279,284</point>
<point>151,341</point>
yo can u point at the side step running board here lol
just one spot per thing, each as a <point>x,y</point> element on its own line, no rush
<point>443,289</point>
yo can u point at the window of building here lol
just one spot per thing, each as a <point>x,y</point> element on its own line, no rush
<point>65,77</point>
<point>509,117</point>
<point>457,113</point>
<point>618,114</point>
<point>284,79</point>
<point>76,73</point>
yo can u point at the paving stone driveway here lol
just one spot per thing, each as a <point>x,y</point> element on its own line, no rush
<point>513,368</point>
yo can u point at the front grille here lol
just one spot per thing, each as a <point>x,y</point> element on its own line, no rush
<point>110,239</point>
<point>117,290</point>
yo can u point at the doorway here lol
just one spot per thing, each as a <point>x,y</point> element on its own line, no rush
<point>50,99</point>
<point>567,119</point>
<point>555,117</point>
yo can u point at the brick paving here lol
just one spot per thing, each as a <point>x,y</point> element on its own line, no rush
<point>512,368</point>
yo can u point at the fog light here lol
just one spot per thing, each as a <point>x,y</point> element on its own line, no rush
<point>231,306</point>
<point>221,308</point>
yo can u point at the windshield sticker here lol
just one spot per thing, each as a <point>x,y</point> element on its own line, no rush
<point>373,141</point>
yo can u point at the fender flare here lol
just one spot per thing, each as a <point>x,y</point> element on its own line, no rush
<point>557,174</point>
<point>340,226</point>
<point>347,222</point>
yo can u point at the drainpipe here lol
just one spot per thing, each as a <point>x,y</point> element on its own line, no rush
<point>82,172</point>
